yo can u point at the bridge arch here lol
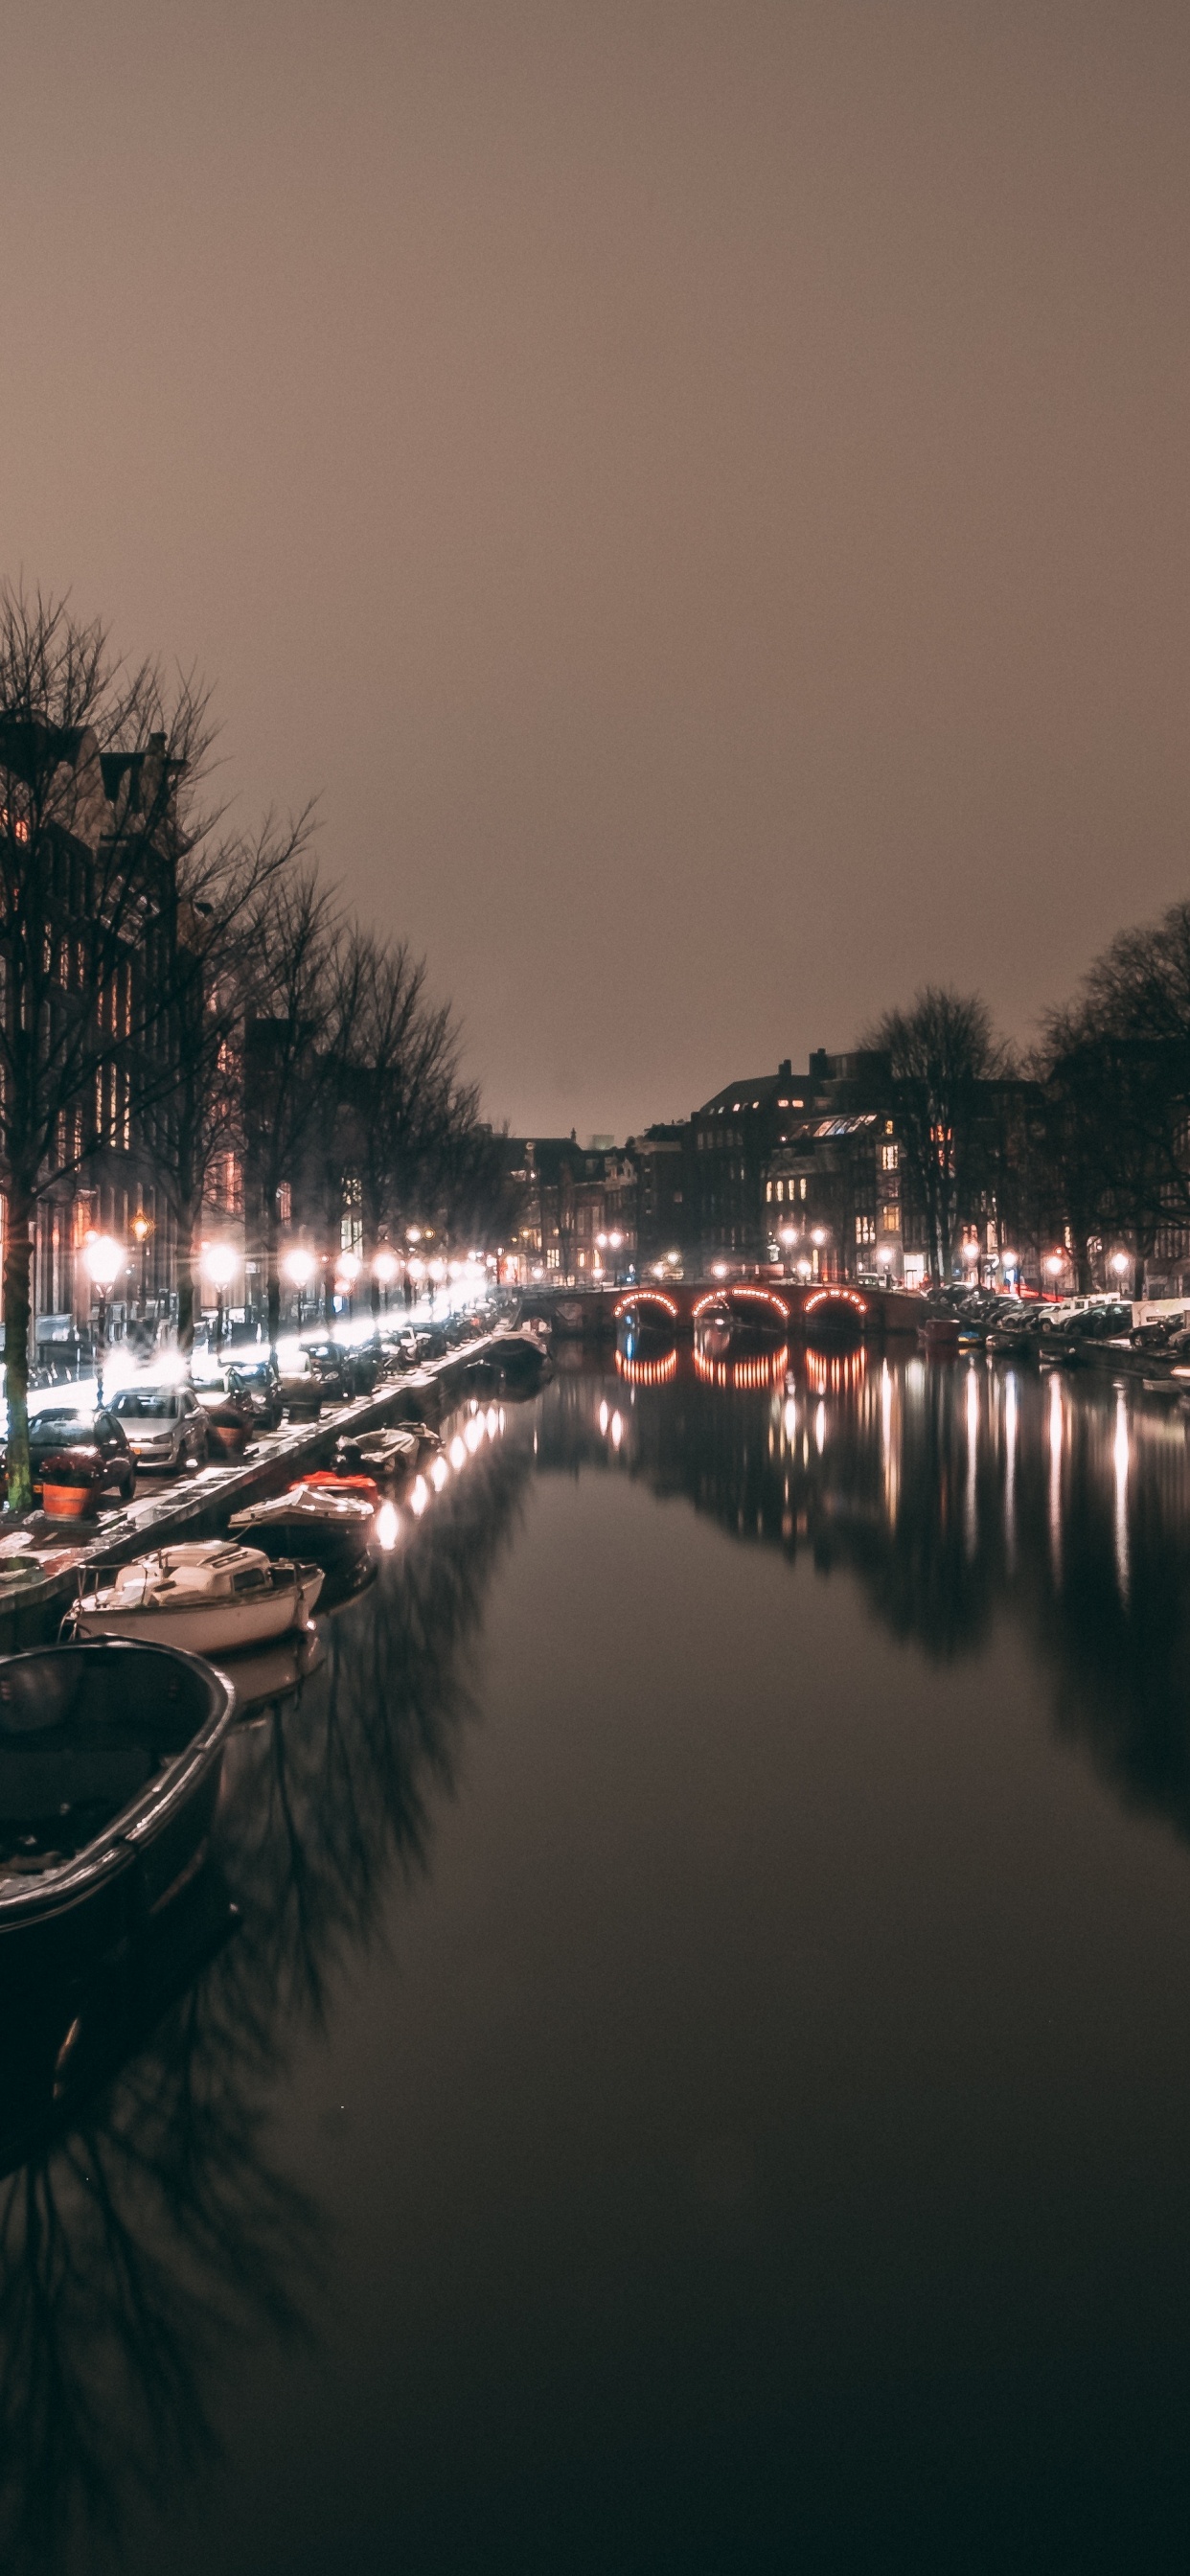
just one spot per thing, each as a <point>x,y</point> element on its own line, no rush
<point>634,1298</point>
<point>736,1293</point>
<point>834,1305</point>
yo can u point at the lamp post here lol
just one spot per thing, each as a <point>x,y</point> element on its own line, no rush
<point>384,1271</point>
<point>788,1240</point>
<point>298,1267</point>
<point>349,1268</point>
<point>142,1227</point>
<point>104,1258</point>
<point>219,1262</point>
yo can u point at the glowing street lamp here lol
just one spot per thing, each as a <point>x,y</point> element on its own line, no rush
<point>105,1258</point>
<point>1055,1263</point>
<point>1121,1263</point>
<point>142,1227</point>
<point>384,1270</point>
<point>298,1267</point>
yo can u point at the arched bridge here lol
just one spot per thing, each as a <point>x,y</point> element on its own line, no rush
<point>769,1307</point>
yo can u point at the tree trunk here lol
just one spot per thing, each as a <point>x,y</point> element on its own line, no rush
<point>18,1252</point>
<point>186,1234</point>
<point>272,1274</point>
<point>375,1296</point>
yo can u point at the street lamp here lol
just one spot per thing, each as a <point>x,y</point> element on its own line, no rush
<point>349,1269</point>
<point>220,1261</point>
<point>384,1270</point>
<point>1055,1263</point>
<point>142,1227</point>
<point>1121,1263</point>
<point>298,1267</point>
<point>788,1238</point>
<point>104,1258</point>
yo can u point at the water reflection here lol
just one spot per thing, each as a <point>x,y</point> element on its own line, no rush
<point>955,1494</point>
<point>149,2226</point>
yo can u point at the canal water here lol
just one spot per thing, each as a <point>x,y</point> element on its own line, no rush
<point>701,2077</point>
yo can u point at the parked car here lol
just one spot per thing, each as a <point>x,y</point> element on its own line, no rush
<point>164,1425</point>
<point>86,1443</point>
<point>253,1384</point>
<point>344,1372</point>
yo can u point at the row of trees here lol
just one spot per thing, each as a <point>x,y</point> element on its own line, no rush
<point>175,991</point>
<point>1083,1141</point>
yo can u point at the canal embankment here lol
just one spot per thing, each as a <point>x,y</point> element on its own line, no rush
<point>196,1504</point>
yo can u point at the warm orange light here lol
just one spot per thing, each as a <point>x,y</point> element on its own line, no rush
<point>644,1297</point>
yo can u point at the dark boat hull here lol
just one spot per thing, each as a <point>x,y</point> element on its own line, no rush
<point>337,1549</point>
<point>66,1714</point>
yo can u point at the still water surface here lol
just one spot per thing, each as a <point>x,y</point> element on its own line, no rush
<point>702,2079</point>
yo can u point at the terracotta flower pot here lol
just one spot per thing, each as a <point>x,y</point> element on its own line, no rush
<point>68,1502</point>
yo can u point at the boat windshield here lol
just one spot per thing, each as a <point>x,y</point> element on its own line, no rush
<point>147,1404</point>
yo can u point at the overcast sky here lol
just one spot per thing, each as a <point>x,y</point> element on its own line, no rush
<point>699,492</point>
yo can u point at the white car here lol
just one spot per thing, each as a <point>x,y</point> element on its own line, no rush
<point>164,1426</point>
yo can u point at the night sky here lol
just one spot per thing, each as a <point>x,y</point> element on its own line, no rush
<point>700,492</point>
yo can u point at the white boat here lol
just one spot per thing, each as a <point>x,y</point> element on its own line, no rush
<point>208,1596</point>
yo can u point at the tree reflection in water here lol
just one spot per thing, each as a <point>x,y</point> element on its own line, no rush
<point>150,2230</point>
<point>957,1492</point>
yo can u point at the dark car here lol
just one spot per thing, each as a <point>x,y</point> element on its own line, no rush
<point>252,1384</point>
<point>165,1426</point>
<point>86,1442</point>
<point>343,1372</point>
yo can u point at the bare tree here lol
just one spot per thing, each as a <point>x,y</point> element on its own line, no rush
<point>199,1112</point>
<point>289,967</point>
<point>402,1085</point>
<point>1118,1080</point>
<point>942,1058</point>
<point>99,768</point>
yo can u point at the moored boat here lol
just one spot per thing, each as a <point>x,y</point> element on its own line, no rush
<point>207,1596</point>
<point>389,1457</point>
<point>327,1525</point>
<point>939,1335</point>
<point>110,1755</point>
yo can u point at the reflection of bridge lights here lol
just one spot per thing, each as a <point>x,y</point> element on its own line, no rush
<point>789,1419</point>
<point>387,1525</point>
<point>741,1374</point>
<point>420,1496</point>
<point>820,1427</point>
<point>836,1372</point>
<point>458,1452</point>
<point>492,1420</point>
<point>617,1430</point>
<point>647,1372</point>
<point>474,1432</point>
<point>438,1474</point>
<point>604,1418</point>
